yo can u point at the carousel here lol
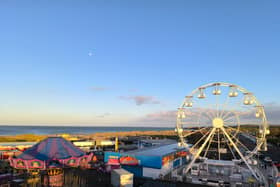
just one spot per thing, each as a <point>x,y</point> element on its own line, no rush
<point>45,160</point>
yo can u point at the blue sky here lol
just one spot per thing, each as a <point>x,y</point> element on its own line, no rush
<point>90,62</point>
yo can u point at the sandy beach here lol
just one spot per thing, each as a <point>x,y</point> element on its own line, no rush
<point>95,136</point>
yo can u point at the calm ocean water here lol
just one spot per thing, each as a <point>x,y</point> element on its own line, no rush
<point>14,130</point>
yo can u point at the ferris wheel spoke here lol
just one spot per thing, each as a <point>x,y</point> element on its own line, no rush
<point>194,132</point>
<point>229,115</point>
<point>233,126</point>
<point>230,122</point>
<point>199,150</point>
<point>205,119</point>
<point>224,106</point>
<point>210,141</point>
<point>209,115</point>
<point>232,119</point>
<point>232,115</point>
<point>229,146</point>
<point>212,111</point>
<point>217,105</point>
<point>245,147</point>
<point>231,131</point>
<point>219,153</point>
<point>238,141</point>
<point>240,154</point>
<point>230,127</point>
<point>232,109</point>
<point>197,143</point>
<point>226,115</point>
<point>234,129</point>
<point>227,112</point>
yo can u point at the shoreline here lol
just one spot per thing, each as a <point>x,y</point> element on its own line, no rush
<point>273,137</point>
<point>95,136</point>
<point>52,130</point>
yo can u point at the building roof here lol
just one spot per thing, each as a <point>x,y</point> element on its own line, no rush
<point>52,148</point>
<point>157,150</point>
<point>219,162</point>
<point>159,141</point>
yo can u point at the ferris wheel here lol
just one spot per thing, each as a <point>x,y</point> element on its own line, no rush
<point>214,121</point>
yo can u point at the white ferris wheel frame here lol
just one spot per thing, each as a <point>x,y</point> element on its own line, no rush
<point>218,118</point>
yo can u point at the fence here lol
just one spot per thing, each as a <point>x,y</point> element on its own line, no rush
<point>75,177</point>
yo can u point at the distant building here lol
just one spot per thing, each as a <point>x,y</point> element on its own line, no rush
<point>155,142</point>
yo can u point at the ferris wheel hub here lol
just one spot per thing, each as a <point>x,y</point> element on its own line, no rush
<point>218,122</point>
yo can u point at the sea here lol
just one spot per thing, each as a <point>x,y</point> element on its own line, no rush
<point>45,130</point>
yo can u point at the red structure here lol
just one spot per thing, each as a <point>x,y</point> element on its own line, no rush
<point>51,150</point>
<point>51,154</point>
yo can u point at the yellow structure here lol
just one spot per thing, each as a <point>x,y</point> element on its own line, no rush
<point>116,144</point>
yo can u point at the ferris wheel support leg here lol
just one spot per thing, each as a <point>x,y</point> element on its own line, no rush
<point>240,154</point>
<point>199,151</point>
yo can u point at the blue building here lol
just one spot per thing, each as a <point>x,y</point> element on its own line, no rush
<point>152,161</point>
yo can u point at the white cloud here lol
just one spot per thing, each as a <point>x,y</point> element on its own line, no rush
<point>140,100</point>
<point>168,118</point>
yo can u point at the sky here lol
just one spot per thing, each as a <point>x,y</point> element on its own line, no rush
<point>131,62</point>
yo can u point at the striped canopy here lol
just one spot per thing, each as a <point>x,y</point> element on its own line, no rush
<point>52,148</point>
